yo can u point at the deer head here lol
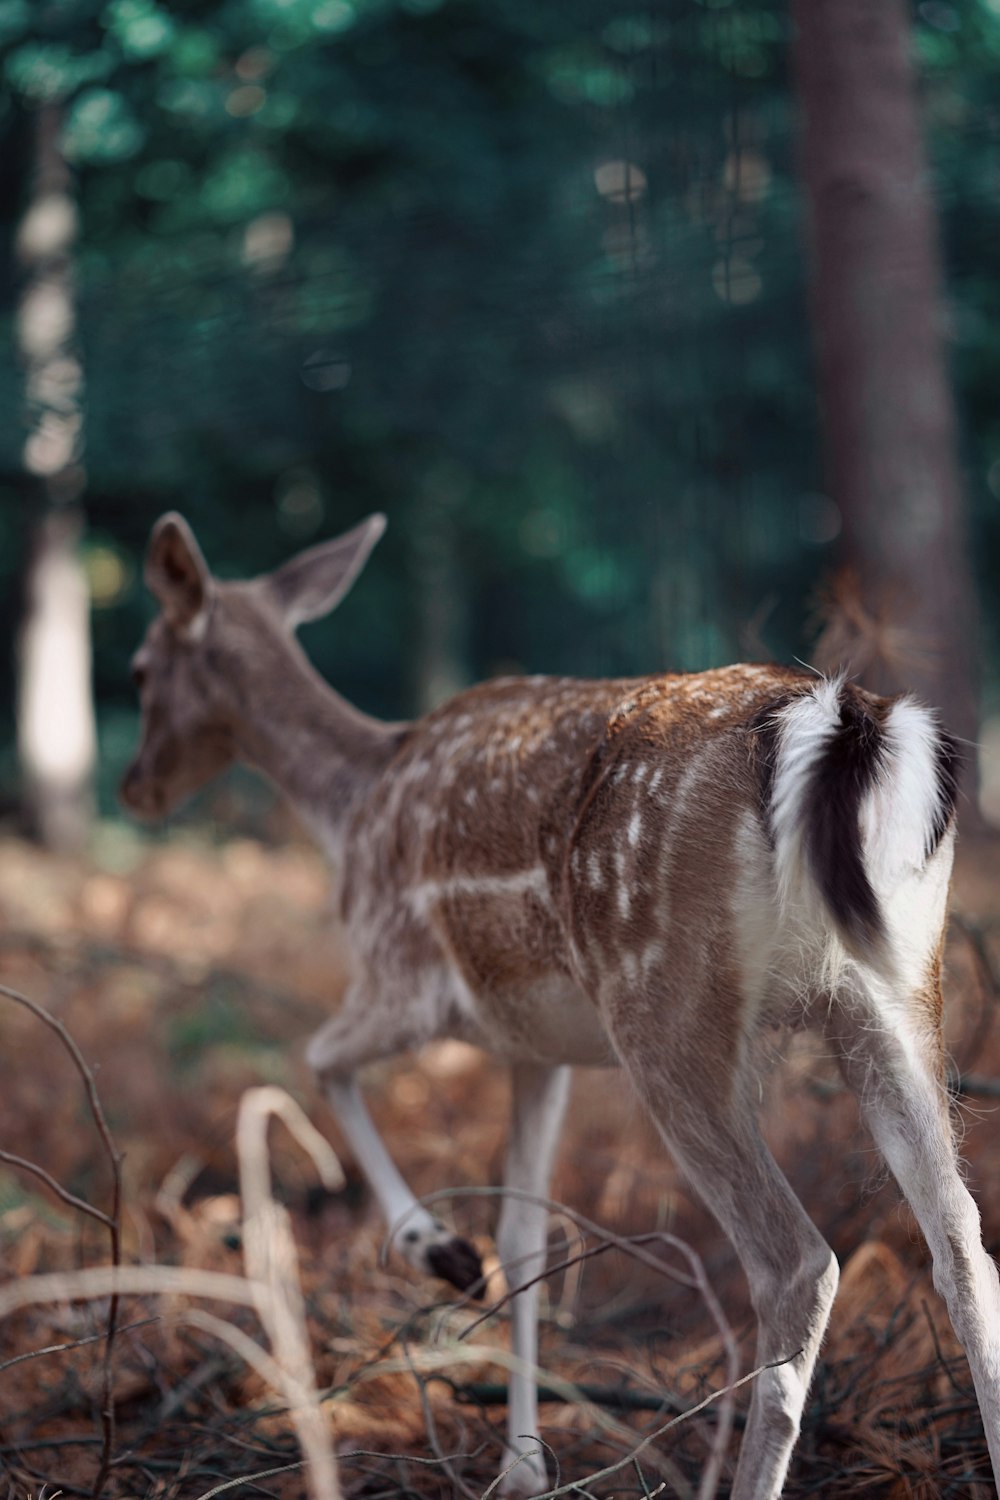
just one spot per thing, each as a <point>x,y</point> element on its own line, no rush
<point>210,655</point>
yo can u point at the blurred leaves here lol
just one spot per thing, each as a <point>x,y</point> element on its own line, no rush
<point>101,127</point>
<point>46,71</point>
<point>555,251</point>
<point>141,28</point>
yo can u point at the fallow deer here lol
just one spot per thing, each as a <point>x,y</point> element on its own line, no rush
<point>649,873</point>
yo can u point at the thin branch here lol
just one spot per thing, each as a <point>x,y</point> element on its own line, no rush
<point>232,1484</point>
<point>726,1392</point>
<point>92,1338</point>
<point>112,1221</point>
<point>80,1204</point>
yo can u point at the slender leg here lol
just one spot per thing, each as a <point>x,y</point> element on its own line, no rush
<point>539,1102</point>
<point>356,1035</point>
<point>708,1121</point>
<point>890,1058</point>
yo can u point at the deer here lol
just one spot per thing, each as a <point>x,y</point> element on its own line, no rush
<point>649,874</point>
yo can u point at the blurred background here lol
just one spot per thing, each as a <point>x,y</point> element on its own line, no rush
<point>571,291</point>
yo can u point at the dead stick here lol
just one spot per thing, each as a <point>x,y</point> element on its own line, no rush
<point>494,1393</point>
<point>112,1221</point>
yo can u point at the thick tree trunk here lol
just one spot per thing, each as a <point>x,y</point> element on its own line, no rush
<point>56,734</point>
<point>902,610</point>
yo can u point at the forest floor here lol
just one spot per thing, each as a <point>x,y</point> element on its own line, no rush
<point>188,972</point>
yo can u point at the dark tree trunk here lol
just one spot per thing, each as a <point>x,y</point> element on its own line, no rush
<point>902,612</point>
<point>55,714</point>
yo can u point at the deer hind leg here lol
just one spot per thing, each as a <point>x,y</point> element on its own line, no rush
<point>704,1111</point>
<point>538,1106</point>
<point>359,1034</point>
<point>891,1056</point>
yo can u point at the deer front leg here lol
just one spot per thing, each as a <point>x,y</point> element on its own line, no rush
<point>344,1044</point>
<point>538,1106</point>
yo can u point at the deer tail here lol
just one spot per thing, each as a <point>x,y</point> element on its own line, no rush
<point>861,793</point>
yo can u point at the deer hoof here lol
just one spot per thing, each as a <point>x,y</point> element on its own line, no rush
<point>526,1474</point>
<point>432,1248</point>
<point>457,1261</point>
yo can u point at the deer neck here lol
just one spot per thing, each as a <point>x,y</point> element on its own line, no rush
<point>315,747</point>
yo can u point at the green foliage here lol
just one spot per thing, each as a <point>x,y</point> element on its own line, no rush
<point>101,127</point>
<point>528,277</point>
<point>218,1021</point>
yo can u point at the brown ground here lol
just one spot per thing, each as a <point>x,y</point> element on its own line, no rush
<point>186,974</point>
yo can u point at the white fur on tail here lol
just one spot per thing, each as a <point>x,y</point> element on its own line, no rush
<point>808,724</point>
<point>898,816</point>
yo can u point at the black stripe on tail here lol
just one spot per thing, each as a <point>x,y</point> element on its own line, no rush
<point>846,771</point>
<point>948,766</point>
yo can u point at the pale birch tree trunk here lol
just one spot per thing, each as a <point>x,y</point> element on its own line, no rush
<point>55,713</point>
<point>904,614</point>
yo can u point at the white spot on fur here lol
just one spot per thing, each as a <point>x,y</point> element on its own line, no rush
<point>624,894</point>
<point>594,871</point>
<point>634,828</point>
<point>652,957</point>
<point>521,883</point>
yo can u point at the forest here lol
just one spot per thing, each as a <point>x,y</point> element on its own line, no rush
<point>664,336</point>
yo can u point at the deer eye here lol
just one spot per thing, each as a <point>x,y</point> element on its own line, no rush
<point>139,676</point>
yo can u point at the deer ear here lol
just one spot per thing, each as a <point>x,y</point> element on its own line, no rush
<point>176,572</point>
<point>313,583</point>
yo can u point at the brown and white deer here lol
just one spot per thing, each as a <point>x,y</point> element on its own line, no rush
<point>648,873</point>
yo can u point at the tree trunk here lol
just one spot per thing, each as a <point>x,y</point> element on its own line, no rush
<point>902,612</point>
<point>55,713</point>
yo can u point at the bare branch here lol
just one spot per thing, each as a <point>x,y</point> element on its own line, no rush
<point>112,1221</point>
<point>80,1204</point>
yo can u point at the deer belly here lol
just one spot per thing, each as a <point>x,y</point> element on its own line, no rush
<point>550,1020</point>
<point>508,956</point>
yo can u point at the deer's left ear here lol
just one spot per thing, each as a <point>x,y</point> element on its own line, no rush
<point>313,583</point>
<point>176,572</point>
